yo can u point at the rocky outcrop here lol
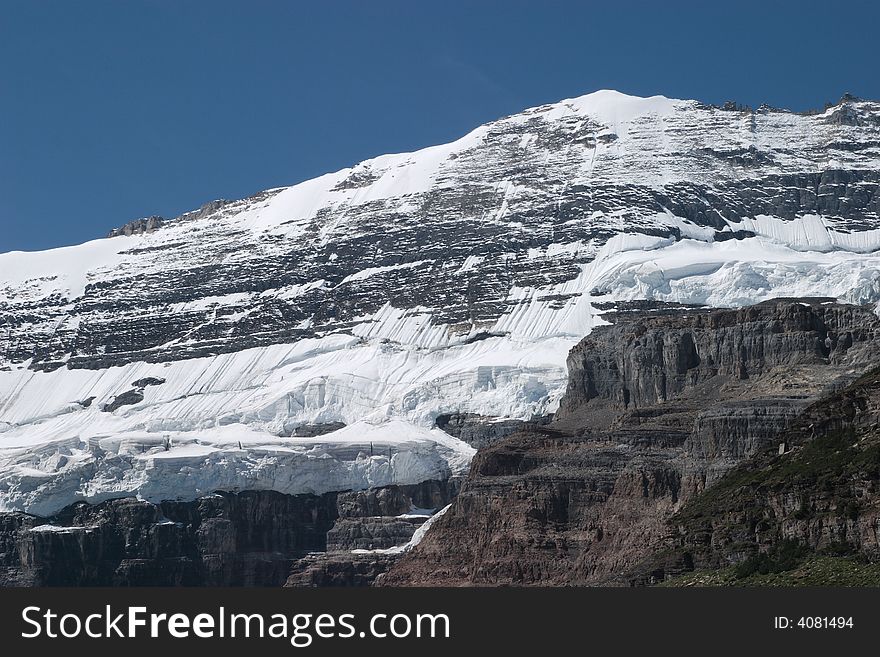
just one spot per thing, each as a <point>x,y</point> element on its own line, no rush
<point>397,500</point>
<point>155,222</point>
<point>378,533</point>
<point>539,508</point>
<point>480,431</point>
<point>127,398</point>
<point>653,359</point>
<point>148,381</point>
<point>820,491</point>
<point>339,569</point>
<point>251,538</point>
<point>371,523</point>
<point>133,396</point>
<point>138,226</point>
<point>225,539</point>
<point>659,407</point>
<point>298,430</point>
<point>739,429</point>
<point>312,430</point>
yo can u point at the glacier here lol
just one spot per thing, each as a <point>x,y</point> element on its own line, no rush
<point>452,279</point>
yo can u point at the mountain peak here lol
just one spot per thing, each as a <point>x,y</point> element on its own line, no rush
<point>611,106</point>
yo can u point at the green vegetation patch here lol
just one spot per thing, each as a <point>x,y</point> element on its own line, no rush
<point>824,464</point>
<point>814,570</point>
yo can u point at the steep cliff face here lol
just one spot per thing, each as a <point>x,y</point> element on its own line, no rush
<point>660,405</point>
<point>252,538</point>
<point>480,431</point>
<point>223,539</point>
<point>654,359</point>
<point>822,494</point>
<point>544,509</point>
<point>375,528</point>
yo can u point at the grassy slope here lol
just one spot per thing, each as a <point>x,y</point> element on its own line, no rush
<point>814,570</point>
<point>825,466</point>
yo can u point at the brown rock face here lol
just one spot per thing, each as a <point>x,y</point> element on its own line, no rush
<point>375,519</point>
<point>339,569</point>
<point>252,538</point>
<point>644,360</point>
<point>822,492</point>
<point>546,509</point>
<point>659,406</point>
<point>245,539</point>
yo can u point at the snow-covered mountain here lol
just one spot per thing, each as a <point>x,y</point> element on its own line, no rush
<point>205,352</point>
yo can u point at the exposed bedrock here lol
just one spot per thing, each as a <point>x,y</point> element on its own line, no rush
<point>821,493</point>
<point>397,500</point>
<point>651,359</point>
<point>545,509</point>
<point>370,524</point>
<point>312,430</point>
<point>659,407</point>
<point>251,538</point>
<point>230,539</point>
<point>479,431</point>
<point>371,533</point>
<point>739,429</point>
<point>339,569</point>
<point>138,226</point>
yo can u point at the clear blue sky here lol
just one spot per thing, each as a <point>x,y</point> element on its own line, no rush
<point>116,109</point>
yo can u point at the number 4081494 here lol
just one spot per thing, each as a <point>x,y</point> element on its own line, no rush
<point>813,622</point>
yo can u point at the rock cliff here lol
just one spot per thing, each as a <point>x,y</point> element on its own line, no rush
<point>252,538</point>
<point>660,405</point>
<point>818,494</point>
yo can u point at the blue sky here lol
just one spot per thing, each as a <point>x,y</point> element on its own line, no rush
<point>111,110</point>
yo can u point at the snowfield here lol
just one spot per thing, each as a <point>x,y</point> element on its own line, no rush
<point>225,421</point>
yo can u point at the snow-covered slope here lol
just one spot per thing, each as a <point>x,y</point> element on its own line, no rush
<point>453,279</point>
